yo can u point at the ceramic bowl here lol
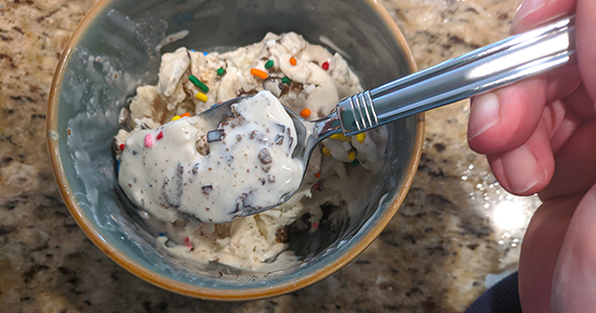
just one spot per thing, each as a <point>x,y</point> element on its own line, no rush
<point>117,48</point>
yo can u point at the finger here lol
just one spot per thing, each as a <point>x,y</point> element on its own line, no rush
<point>576,164</point>
<point>505,119</point>
<point>528,168</point>
<point>586,45</point>
<point>573,288</point>
<point>540,250</point>
<point>565,129</point>
<point>562,82</point>
<point>535,12</point>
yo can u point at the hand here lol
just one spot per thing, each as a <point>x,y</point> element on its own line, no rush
<point>539,136</point>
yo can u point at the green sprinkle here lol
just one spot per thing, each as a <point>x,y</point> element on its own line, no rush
<point>220,71</point>
<point>198,83</point>
<point>285,80</point>
<point>355,162</point>
<point>269,64</point>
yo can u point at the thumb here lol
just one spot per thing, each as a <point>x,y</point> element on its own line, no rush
<point>534,12</point>
<point>574,280</point>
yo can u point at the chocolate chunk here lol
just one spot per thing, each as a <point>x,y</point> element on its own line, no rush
<point>215,135</point>
<point>195,169</point>
<point>239,137</point>
<point>207,189</point>
<point>229,159</point>
<point>262,180</point>
<point>265,156</point>
<point>253,134</point>
<point>282,235</point>
<point>290,141</point>
<point>173,192</point>
<point>248,199</point>
<point>279,139</point>
<point>282,127</point>
<point>271,178</point>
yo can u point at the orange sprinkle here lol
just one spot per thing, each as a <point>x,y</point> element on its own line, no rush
<point>259,73</point>
<point>317,175</point>
<point>185,114</point>
<point>293,60</point>
<point>305,113</point>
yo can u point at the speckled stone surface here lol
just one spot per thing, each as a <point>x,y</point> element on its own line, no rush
<point>456,226</point>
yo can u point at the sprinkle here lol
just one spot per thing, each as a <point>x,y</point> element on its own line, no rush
<point>185,115</point>
<point>326,151</point>
<point>352,155</point>
<point>340,137</point>
<point>160,135</point>
<point>198,83</point>
<point>176,117</point>
<point>315,225</point>
<point>162,234</point>
<point>305,113</point>
<point>355,162</point>
<point>293,60</point>
<point>325,65</point>
<point>201,96</point>
<point>360,137</point>
<point>269,64</point>
<point>148,141</point>
<point>259,73</point>
<point>286,80</point>
<point>117,166</point>
<point>121,147</point>
<point>188,243</point>
<point>205,53</point>
<point>317,175</point>
<point>221,71</point>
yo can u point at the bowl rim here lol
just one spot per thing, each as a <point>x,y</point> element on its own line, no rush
<point>203,292</point>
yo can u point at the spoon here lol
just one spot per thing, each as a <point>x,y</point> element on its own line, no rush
<point>510,60</point>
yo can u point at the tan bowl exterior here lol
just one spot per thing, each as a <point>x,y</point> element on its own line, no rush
<point>198,292</point>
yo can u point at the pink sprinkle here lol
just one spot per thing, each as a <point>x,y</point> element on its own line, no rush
<point>325,65</point>
<point>188,243</point>
<point>315,225</point>
<point>148,141</point>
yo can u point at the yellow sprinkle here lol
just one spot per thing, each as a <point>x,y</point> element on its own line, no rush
<point>175,118</point>
<point>326,151</point>
<point>201,96</point>
<point>352,155</point>
<point>360,137</point>
<point>340,137</point>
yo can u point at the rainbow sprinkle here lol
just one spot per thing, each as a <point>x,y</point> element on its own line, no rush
<point>326,151</point>
<point>325,65</point>
<point>361,137</point>
<point>286,80</point>
<point>340,137</point>
<point>352,155</point>
<point>201,96</point>
<point>269,64</point>
<point>122,147</point>
<point>160,135</point>
<point>258,73</point>
<point>193,79</point>
<point>175,118</point>
<point>221,71</point>
<point>148,140</point>
<point>185,115</point>
<point>293,61</point>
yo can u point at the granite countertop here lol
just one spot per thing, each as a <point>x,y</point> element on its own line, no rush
<point>456,228</point>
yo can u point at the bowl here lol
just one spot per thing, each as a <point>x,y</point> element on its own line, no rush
<point>117,47</point>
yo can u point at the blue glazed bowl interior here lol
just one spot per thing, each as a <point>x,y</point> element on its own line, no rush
<point>117,52</point>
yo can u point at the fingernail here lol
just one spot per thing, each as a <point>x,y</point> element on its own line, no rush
<point>526,8</point>
<point>484,114</point>
<point>522,170</point>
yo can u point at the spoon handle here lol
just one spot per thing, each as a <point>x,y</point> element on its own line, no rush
<point>507,61</point>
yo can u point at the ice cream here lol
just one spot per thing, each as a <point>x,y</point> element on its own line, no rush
<point>247,164</point>
<point>305,78</point>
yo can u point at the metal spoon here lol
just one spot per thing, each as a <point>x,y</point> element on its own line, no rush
<point>507,61</point>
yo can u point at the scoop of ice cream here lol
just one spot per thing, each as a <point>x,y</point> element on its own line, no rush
<point>248,165</point>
